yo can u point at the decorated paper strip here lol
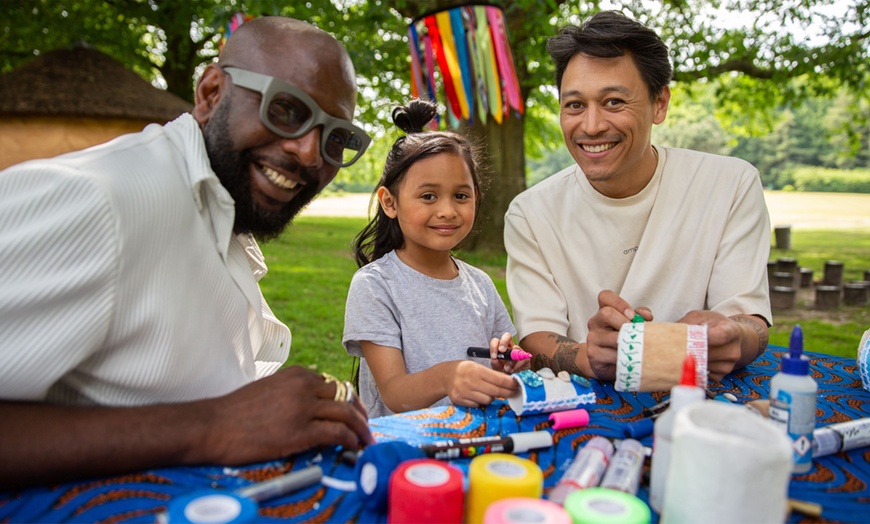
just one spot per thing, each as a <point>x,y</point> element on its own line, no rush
<point>629,358</point>
<point>472,52</point>
<point>650,355</point>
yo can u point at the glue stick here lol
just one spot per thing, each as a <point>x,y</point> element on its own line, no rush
<point>585,470</point>
<point>626,466</point>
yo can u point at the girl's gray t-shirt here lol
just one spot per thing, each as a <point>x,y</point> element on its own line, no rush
<point>429,320</point>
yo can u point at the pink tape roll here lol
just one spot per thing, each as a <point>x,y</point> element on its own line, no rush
<point>522,510</point>
<point>426,491</point>
<point>574,418</point>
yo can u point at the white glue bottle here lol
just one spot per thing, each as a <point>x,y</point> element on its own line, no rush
<point>793,401</point>
<point>684,394</point>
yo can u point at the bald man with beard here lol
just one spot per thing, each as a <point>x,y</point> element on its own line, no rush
<point>134,332</point>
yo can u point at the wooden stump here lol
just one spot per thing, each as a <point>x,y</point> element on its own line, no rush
<point>827,297</point>
<point>783,297</point>
<point>787,265</point>
<point>771,269</point>
<point>856,293</point>
<point>783,237</point>
<point>806,277</point>
<point>833,273</point>
<point>782,279</point>
<point>866,275</point>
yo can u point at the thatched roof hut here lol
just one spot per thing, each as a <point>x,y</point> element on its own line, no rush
<point>70,99</point>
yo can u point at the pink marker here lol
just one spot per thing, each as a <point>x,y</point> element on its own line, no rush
<point>514,354</point>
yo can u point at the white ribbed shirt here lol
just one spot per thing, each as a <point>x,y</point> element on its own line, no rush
<point>121,281</point>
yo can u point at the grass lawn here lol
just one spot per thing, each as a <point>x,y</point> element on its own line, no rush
<point>310,268</point>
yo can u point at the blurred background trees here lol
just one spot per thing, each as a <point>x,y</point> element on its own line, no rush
<point>780,83</point>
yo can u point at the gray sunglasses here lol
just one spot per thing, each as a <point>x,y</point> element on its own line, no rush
<point>290,113</point>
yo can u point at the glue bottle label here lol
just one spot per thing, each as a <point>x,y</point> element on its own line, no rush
<point>796,413</point>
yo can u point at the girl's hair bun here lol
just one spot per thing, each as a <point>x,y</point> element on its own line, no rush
<point>413,117</point>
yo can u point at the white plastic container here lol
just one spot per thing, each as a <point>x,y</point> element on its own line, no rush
<point>793,402</point>
<point>684,394</point>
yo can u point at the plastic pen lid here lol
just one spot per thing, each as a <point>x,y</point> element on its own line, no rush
<point>794,363</point>
<point>574,418</point>
<point>640,428</point>
<point>527,440</point>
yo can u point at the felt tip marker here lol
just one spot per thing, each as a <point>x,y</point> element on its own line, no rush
<point>514,354</point>
<point>474,446</point>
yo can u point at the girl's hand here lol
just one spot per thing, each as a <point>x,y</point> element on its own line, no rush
<point>505,344</point>
<point>473,385</point>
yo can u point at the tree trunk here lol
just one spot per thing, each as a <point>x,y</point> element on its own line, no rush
<point>506,169</point>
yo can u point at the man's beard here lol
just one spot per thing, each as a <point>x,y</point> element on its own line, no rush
<point>232,168</point>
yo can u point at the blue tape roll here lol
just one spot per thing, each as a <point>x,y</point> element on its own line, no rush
<point>374,467</point>
<point>212,506</point>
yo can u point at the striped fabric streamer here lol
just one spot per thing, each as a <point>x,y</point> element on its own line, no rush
<point>476,75</point>
<point>235,21</point>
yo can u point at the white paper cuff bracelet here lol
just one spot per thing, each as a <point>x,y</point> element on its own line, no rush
<point>544,392</point>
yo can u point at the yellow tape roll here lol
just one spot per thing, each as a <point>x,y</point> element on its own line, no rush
<point>497,476</point>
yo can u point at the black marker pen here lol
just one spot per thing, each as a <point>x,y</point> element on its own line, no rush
<point>514,354</point>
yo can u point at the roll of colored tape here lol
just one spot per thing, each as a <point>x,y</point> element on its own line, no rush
<point>606,506</point>
<point>499,476</point>
<point>374,467</point>
<point>212,506</point>
<point>521,510</point>
<point>426,491</point>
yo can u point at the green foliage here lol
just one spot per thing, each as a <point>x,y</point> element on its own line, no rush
<point>831,180</point>
<point>310,269</point>
<point>840,339</point>
<point>690,124</point>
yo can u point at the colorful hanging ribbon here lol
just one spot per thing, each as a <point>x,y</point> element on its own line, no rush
<point>469,45</point>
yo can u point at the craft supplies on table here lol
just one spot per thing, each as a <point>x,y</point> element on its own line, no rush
<point>839,483</point>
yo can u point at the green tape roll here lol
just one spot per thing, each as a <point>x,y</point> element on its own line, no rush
<point>606,506</point>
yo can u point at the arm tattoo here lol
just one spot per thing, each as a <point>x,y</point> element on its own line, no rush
<point>763,335</point>
<point>564,358</point>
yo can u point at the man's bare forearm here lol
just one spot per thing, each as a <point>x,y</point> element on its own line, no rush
<point>755,337</point>
<point>47,443</point>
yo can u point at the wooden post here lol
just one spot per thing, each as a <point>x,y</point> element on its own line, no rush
<point>783,237</point>
<point>856,293</point>
<point>806,277</point>
<point>783,297</point>
<point>827,297</point>
<point>833,273</point>
<point>787,265</point>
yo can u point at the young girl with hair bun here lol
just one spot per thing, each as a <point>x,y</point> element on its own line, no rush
<point>413,309</point>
